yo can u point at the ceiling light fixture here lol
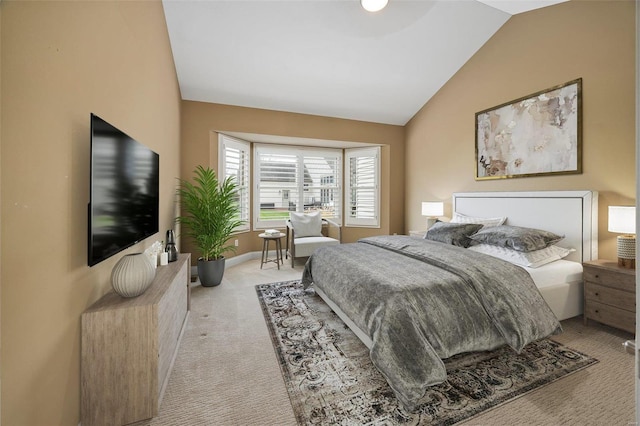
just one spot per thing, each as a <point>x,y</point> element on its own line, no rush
<point>373,5</point>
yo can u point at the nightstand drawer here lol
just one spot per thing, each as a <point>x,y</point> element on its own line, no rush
<point>619,318</point>
<point>610,296</point>
<point>610,278</point>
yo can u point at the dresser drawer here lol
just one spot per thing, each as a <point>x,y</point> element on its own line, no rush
<point>610,296</point>
<point>615,317</point>
<point>610,278</point>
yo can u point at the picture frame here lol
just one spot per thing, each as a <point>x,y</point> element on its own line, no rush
<point>537,135</point>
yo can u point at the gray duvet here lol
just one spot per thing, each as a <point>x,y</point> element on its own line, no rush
<point>422,301</point>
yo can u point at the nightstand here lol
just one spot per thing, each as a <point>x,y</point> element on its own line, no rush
<point>417,234</point>
<point>610,294</point>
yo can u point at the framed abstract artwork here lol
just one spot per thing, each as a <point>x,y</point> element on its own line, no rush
<point>539,134</point>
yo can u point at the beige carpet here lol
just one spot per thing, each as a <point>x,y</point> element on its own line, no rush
<point>226,372</point>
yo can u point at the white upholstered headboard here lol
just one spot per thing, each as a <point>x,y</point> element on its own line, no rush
<point>573,214</point>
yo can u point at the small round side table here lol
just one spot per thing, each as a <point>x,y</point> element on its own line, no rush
<point>266,238</point>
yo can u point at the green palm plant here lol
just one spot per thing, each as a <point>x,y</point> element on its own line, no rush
<point>211,212</point>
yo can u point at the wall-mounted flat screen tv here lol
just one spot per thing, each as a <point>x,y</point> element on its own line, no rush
<point>124,200</point>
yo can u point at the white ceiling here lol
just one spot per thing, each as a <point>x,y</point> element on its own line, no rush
<point>326,57</point>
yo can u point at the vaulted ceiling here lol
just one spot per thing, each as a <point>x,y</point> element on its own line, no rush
<point>329,58</point>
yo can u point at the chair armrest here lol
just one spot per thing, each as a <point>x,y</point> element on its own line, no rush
<point>332,224</point>
<point>289,239</point>
<point>290,231</point>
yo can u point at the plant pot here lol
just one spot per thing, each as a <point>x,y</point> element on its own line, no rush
<point>210,272</point>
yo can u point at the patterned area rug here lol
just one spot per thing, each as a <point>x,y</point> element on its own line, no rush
<point>331,380</point>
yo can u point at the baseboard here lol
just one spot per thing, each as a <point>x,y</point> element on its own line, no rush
<point>236,260</point>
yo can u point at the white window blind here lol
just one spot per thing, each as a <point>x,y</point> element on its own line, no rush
<point>295,179</point>
<point>362,193</point>
<point>233,161</point>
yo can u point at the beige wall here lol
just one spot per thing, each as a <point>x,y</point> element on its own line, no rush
<point>0,219</point>
<point>533,51</point>
<point>199,145</point>
<point>60,62</point>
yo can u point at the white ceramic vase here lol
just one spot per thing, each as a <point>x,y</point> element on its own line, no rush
<point>132,275</point>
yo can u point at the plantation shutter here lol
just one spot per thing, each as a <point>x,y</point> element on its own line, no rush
<point>362,194</point>
<point>277,187</point>
<point>321,185</point>
<point>295,179</point>
<point>234,161</point>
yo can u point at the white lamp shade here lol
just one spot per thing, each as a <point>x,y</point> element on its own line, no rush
<point>622,219</point>
<point>432,208</point>
<point>373,5</point>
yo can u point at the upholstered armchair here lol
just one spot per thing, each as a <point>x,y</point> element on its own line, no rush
<point>307,232</point>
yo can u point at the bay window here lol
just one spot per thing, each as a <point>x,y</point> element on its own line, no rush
<point>294,178</point>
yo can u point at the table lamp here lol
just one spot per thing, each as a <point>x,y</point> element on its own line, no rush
<point>433,210</point>
<point>622,220</point>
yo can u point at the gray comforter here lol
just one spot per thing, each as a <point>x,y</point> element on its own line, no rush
<point>422,301</point>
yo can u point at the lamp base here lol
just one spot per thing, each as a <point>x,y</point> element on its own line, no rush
<point>627,251</point>
<point>627,263</point>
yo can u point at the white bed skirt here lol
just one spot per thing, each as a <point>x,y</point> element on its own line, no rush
<point>560,284</point>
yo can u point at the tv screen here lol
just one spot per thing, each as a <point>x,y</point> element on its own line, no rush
<point>124,200</point>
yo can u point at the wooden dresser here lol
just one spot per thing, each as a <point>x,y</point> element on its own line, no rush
<point>610,294</point>
<point>129,345</point>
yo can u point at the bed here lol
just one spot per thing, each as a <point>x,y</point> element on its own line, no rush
<point>573,214</point>
<point>415,302</point>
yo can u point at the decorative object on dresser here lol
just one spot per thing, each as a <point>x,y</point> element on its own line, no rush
<point>170,248</point>
<point>432,210</point>
<point>610,294</point>
<point>128,348</point>
<point>154,253</point>
<point>211,215</point>
<point>622,219</point>
<point>132,274</point>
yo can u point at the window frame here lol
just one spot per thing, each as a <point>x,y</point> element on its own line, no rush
<point>348,219</point>
<point>241,145</point>
<point>300,152</point>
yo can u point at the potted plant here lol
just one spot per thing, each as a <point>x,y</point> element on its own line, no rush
<point>211,215</point>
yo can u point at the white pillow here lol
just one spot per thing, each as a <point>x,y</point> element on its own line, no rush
<point>486,221</point>
<point>306,224</point>
<point>531,259</point>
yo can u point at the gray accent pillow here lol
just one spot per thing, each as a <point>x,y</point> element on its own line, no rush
<point>456,234</point>
<point>517,238</point>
